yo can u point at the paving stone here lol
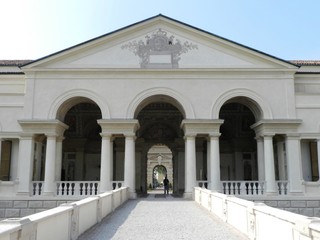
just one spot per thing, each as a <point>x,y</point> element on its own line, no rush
<point>314,204</point>
<point>49,204</point>
<point>20,204</point>
<point>2,213</point>
<point>284,204</point>
<point>161,219</point>
<point>293,210</point>
<point>298,204</point>
<point>316,212</point>
<point>35,204</point>
<point>6,204</point>
<point>61,202</point>
<point>12,213</point>
<point>306,212</point>
<point>27,212</point>
<point>271,203</point>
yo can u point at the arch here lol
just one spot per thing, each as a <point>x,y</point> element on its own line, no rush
<point>163,94</point>
<point>64,102</point>
<point>259,108</point>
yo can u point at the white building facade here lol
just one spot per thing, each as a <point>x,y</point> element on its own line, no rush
<point>236,120</point>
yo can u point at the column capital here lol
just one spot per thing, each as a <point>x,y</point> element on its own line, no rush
<point>43,126</point>
<point>293,136</point>
<point>216,135</point>
<point>119,126</point>
<point>201,126</point>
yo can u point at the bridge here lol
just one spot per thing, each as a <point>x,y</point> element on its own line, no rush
<point>210,215</point>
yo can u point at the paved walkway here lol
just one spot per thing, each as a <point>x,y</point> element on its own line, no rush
<point>159,217</point>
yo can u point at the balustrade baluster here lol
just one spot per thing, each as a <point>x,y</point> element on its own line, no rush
<point>81,188</point>
<point>86,189</point>
<point>247,188</point>
<point>91,186</point>
<point>95,188</point>
<point>34,185</point>
<point>62,188</point>
<point>58,188</point>
<point>72,188</point>
<point>224,187</point>
<point>239,187</point>
<point>68,188</point>
<point>252,188</point>
<point>234,188</point>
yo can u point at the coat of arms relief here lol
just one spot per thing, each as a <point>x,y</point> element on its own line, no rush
<point>159,50</point>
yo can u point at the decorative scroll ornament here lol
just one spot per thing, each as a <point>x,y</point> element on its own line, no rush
<point>159,50</point>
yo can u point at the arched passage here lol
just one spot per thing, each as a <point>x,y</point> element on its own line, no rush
<point>238,147</point>
<point>160,121</point>
<point>81,149</point>
<point>159,165</point>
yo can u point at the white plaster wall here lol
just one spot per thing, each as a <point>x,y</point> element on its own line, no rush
<point>199,93</point>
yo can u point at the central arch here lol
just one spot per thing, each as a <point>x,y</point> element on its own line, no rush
<point>160,94</point>
<point>160,118</point>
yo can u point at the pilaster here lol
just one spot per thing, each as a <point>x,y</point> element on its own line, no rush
<point>269,165</point>
<point>214,169</point>
<point>293,149</point>
<point>105,170</point>
<point>50,167</point>
<point>25,165</point>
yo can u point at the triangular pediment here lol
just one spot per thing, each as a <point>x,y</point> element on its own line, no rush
<point>159,42</point>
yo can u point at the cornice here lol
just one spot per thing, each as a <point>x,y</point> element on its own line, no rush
<point>270,127</point>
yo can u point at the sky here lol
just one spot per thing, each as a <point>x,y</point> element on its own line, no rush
<point>287,29</point>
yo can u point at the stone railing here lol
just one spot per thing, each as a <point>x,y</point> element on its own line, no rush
<point>251,188</point>
<point>202,183</point>
<point>243,187</point>
<point>77,188</point>
<point>68,188</point>
<point>65,222</point>
<point>257,220</point>
<point>117,184</point>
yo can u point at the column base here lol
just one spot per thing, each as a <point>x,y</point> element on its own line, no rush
<point>48,194</point>
<point>132,195</point>
<point>26,194</point>
<point>188,195</point>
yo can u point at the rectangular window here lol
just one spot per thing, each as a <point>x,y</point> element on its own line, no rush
<point>5,160</point>
<point>314,161</point>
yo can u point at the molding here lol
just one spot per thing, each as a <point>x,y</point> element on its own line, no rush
<point>195,127</point>
<point>126,127</point>
<point>270,127</point>
<point>47,127</point>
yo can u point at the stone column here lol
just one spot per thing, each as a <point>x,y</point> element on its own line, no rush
<point>281,160</point>
<point>26,150</point>
<point>209,163</point>
<point>50,166</point>
<point>58,158</point>
<point>269,166</point>
<point>318,154</point>
<point>0,153</point>
<point>190,165</point>
<point>129,165</point>
<point>215,179</point>
<point>293,149</point>
<point>261,170</point>
<point>105,170</point>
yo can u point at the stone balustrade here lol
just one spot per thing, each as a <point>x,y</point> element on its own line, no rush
<point>73,188</point>
<point>67,221</point>
<point>257,220</point>
<point>243,187</point>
